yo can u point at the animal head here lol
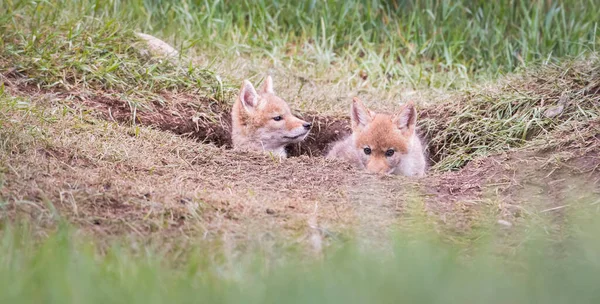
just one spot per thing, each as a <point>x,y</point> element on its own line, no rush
<point>267,118</point>
<point>382,141</point>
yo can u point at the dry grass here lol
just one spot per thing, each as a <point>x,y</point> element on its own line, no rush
<point>116,179</point>
<point>111,141</point>
<point>120,145</point>
<point>60,158</point>
<point>307,88</point>
<point>107,71</point>
<point>519,110</point>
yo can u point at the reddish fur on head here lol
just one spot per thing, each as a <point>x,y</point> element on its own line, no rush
<point>263,121</point>
<point>379,134</point>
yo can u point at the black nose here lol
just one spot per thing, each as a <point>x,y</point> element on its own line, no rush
<point>307,125</point>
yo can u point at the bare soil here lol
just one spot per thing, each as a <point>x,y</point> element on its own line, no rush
<point>92,167</point>
<point>200,118</point>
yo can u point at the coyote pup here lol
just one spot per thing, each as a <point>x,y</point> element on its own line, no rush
<point>382,143</point>
<point>261,121</point>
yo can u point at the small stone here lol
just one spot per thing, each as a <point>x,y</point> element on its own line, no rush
<point>554,111</point>
<point>505,223</point>
<point>270,211</point>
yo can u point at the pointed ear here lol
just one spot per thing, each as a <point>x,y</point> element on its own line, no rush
<point>248,96</point>
<point>406,120</point>
<point>361,116</point>
<point>267,86</point>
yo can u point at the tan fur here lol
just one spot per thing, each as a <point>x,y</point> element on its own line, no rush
<point>380,133</point>
<point>253,124</point>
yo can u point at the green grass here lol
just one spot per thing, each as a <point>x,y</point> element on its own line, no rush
<point>90,45</point>
<point>65,268</point>
<point>488,119</point>
<point>414,43</point>
<point>51,48</point>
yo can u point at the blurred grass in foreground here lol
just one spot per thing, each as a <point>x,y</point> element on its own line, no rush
<point>63,268</point>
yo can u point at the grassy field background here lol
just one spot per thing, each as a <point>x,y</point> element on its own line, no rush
<point>391,43</point>
<point>116,184</point>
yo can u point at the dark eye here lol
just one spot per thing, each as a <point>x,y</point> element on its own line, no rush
<point>389,152</point>
<point>367,150</point>
<point>277,118</point>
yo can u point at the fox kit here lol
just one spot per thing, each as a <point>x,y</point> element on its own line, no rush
<point>261,121</point>
<point>383,143</point>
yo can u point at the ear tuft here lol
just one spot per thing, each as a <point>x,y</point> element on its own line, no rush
<point>361,116</point>
<point>248,95</point>
<point>267,86</point>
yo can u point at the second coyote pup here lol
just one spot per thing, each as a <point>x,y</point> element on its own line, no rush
<point>383,143</point>
<point>261,121</point>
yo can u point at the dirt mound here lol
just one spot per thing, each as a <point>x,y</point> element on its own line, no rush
<point>200,118</point>
<point>209,121</point>
<point>102,176</point>
<point>479,122</point>
<point>512,112</point>
<point>110,179</point>
<point>204,119</point>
